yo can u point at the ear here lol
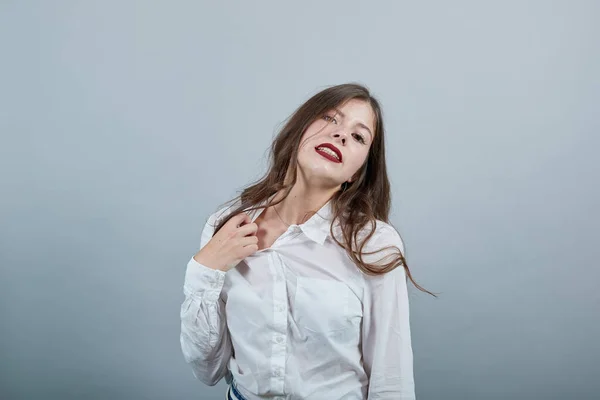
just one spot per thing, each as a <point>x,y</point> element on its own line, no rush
<point>353,178</point>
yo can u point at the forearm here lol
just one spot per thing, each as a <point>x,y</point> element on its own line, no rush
<point>205,341</point>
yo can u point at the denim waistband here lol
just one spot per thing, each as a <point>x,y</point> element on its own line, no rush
<point>233,393</point>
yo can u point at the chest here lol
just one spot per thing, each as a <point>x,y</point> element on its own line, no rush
<point>268,233</point>
<point>297,286</point>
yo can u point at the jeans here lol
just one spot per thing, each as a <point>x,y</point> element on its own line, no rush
<point>233,394</point>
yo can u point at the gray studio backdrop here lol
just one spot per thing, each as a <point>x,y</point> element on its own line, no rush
<point>125,124</point>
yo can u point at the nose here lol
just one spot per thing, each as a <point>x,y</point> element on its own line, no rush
<point>341,136</point>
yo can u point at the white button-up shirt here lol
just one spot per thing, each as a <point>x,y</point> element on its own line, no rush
<point>299,320</point>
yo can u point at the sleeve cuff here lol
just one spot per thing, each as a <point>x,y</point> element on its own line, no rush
<point>200,278</point>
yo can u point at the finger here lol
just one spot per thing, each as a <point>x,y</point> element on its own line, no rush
<point>248,240</point>
<point>250,249</point>
<point>240,219</point>
<point>248,229</point>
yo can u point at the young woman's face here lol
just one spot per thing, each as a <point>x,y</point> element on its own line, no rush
<point>348,130</point>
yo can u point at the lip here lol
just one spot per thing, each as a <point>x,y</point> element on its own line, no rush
<point>332,147</point>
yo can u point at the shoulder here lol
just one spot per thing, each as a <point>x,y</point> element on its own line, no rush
<point>384,247</point>
<point>388,235</point>
<point>224,210</point>
<point>214,219</point>
<point>384,235</point>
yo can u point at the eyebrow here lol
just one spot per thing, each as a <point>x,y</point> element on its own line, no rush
<point>359,124</point>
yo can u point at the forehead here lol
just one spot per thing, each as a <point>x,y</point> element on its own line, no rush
<point>356,111</point>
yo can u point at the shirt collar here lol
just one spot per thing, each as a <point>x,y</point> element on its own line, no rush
<point>316,228</point>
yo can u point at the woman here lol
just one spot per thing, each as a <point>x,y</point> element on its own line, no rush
<point>297,292</point>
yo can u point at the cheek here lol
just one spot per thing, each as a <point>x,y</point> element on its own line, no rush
<point>357,160</point>
<point>312,132</point>
<point>359,156</point>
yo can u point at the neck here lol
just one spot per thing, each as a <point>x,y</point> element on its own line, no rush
<point>302,202</point>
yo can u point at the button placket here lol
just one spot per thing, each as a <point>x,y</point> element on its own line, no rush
<point>279,348</point>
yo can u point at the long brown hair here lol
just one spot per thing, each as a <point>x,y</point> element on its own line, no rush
<point>363,201</point>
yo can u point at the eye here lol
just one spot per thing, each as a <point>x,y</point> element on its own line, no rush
<point>329,118</point>
<point>360,138</point>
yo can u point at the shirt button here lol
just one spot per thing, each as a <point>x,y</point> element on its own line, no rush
<point>277,372</point>
<point>279,339</point>
<point>280,307</point>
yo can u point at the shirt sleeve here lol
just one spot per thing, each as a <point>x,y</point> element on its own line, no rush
<point>386,339</point>
<point>204,338</point>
